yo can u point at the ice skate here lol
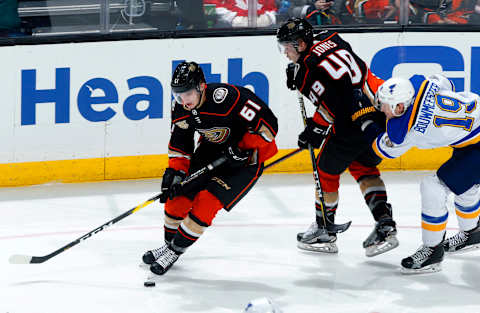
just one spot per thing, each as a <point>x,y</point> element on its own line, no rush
<point>382,239</point>
<point>152,255</point>
<point>164,261</point>
<point>317,240</point>
<point>463,241</point>
<point>424,260</point>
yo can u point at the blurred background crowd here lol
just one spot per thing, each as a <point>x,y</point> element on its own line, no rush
<point>46,17</point>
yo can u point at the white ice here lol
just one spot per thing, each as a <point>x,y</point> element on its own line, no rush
<point>248,253</point>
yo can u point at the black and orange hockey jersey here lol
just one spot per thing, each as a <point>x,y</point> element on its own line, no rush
<point>327,75</point>
<point>229,115</point>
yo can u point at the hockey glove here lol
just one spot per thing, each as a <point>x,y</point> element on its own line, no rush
<point>291,76</point>
<point>312,135</point>
<point>364,117</point>
<point>171,183</point>
<point>237,157</point>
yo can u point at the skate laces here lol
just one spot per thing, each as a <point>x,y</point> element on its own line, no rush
<point>158,252</point>
<point>422,253</point>
<point>458,239</point>
<point>167,258</point>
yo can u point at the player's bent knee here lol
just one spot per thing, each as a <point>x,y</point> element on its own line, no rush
<point>329,182</point>
<point>434,195</point>
<point>178,207</point>
<point>469,198</point>
<point>205,207</point>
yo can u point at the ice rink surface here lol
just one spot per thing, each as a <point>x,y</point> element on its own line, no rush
<point>248,253</point>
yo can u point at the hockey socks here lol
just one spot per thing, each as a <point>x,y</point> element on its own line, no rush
<point>171,225</point>
<point>330,210</point>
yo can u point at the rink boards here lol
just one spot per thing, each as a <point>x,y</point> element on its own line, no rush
<point>99,111</point>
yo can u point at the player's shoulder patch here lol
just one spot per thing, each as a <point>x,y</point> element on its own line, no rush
<point>182,124</point>
<point>220,94</point>
<point>386,140</point>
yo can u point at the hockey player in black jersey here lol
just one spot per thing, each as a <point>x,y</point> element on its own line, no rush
<point>327,71</point>
<point>231,122</point>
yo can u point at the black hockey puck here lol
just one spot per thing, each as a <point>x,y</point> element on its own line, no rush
<point>149,284</point>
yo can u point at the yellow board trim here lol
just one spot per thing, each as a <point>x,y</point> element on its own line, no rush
<point>152,166</point>
<point>436,227</point>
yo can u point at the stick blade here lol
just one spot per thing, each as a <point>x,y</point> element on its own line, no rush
<point>20,259</point>
<point>338,228</point>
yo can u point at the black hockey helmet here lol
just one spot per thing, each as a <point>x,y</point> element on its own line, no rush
<point>293,29</point>
<point>187,75</point>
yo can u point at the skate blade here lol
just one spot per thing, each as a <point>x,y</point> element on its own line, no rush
<point>329,247</point>
<point>391,242</point>
<point>464,250</point>
<point>432,268</point>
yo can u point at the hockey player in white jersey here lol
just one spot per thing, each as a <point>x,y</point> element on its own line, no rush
<point>433,116</point>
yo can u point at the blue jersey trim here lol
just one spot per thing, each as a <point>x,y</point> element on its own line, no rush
<point>377,143</point>
<point>397,128</point>
<point>469,136</point>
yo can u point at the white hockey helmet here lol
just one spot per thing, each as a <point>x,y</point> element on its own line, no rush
<point>394,91</point>
<point>262,305</point>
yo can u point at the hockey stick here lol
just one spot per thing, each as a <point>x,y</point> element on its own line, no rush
<point>26,259</point>
<point>286,156</point>
<point>330,227</point>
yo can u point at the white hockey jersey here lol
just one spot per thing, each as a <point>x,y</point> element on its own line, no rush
<point>438,117</point>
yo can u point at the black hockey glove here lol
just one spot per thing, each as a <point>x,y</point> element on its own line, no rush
<point>291,76</point>
<point>364,117</point>
<point>312,135</point>
<point>237,157</point>
<point>171,184</point>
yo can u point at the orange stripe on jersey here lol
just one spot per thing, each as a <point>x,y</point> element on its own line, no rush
<point>468,142</point>
<point>229,111</point>
<point>261,122</point>
<point>376,150</point>
<point>318,118</point>
<point>306,73</point>
<point>255,178</point>
<point>328,38</point>
<point>326,108</point>
<point>178,150</point>
<point>373,82</point>
<point>416,105</point>
<point>179,119</point>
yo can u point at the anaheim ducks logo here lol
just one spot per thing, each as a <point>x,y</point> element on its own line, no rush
<point>182,124</point>
<point>215,135</point>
